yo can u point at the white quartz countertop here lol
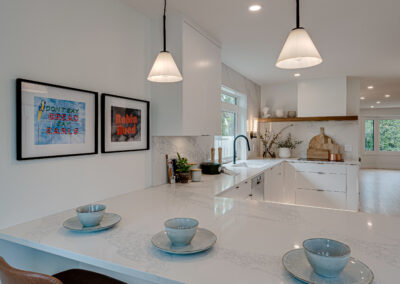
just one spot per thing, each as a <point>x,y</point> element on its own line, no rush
<point>252,236</point>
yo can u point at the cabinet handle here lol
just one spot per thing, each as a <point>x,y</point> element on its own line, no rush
<point>320,173</point>
<point>238,187</point>
<point>320,190</point>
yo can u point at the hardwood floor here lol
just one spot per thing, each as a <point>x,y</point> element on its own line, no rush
<point>380,191</point>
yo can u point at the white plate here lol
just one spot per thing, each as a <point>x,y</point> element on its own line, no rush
<point>109,220</point>
<point>296,263</point>
<point>203,240</point>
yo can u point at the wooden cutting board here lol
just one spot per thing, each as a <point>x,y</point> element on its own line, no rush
<point>319,154</point>
<point>321,146</point>
<point>317,142</point>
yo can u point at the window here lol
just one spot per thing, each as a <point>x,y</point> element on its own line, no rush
<point>369,135</point>
<point>228,123</point>
<point>228,99</point>
<point>382,135</point>
<point>389,135</point>
<point>233,116</point>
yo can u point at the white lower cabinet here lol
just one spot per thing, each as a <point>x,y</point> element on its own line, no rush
<point>273,184</point>
<point>321,198</point>
<point>313,184</point>
<point>321,180</point>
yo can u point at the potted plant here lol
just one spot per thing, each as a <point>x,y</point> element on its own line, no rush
<point>269,140</point>
<point>286,145</point>
<point>182,169</point>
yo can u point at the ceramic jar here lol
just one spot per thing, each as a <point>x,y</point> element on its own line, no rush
<point>279,113</point>
<point>196,175</point>
<point>284,152</point>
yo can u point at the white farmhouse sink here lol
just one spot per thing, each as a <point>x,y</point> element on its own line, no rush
<point>255,164</point>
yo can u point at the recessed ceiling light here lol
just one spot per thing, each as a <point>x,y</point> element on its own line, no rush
<point>387,96</point>
<point>378,102</point>
<point>371,106</point>
<point>362,98</point>
<point>370,87</point>
<point>297,74</point>
<point>255,8</point>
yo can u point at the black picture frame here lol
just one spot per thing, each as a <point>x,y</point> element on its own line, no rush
<point>19,113</point>
<point>103,123</point>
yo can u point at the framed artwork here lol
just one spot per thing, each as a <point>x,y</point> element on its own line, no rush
<point>55,121</point>
<point>124,124</point>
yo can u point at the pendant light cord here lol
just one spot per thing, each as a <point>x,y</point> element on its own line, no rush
<point>298,14</point>
<point>164,30</point>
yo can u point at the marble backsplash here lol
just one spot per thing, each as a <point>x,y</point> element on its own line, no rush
<point>195,149</point>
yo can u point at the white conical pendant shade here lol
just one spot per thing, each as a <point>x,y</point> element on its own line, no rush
<point>298,51</point>
<point>164,69</point>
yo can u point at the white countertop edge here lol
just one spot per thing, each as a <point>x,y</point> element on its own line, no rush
<point>88,260</point>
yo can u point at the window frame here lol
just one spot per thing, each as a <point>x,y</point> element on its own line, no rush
<point>240,110</point>
<point>377,136</point>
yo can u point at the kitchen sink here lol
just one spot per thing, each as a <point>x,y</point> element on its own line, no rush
<point>255,164</point>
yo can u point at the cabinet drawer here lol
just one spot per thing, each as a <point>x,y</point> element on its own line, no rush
<point>320,168</point>
<point>327,199</point>
<point>322,181</point>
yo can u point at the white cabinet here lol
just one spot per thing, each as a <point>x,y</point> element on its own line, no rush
<point>321,198</point>
<point>273,184</point>
<point>326,185</point>
<point>313,184</point>
<point>257,188</point>
<point>192,107</point>
<point>321,180</point>
<point>241,191</point>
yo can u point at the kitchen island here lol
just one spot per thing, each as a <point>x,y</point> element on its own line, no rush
<point>252,235</point>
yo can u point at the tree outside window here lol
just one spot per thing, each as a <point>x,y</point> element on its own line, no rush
<point>382,135</point>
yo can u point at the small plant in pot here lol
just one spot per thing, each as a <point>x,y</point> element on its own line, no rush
<point>182,169</point>
<point>287,145</point>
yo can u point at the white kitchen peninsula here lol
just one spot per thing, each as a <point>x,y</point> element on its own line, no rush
<point>252,236</point>
<point>303,182</point>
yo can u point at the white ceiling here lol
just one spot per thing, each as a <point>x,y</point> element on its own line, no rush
<point>382,86</point>
<point>358,38</point>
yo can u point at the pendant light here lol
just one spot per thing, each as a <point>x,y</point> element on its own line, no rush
<point>164,69</point>
<point>299,50</point>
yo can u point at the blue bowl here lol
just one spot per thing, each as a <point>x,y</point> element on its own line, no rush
<point>181,230</point>
<point>91,215</point>
<point>327,257</point>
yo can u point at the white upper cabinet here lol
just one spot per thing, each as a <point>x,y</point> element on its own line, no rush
<point>192,107</point>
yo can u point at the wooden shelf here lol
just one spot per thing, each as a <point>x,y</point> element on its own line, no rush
<point>317,118</point>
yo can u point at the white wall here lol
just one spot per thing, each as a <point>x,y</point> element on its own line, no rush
<point>353,96</point>
<point>322,97</point>
<point>279,96</point>
<point>97,45</point>
<point>378,160</point>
